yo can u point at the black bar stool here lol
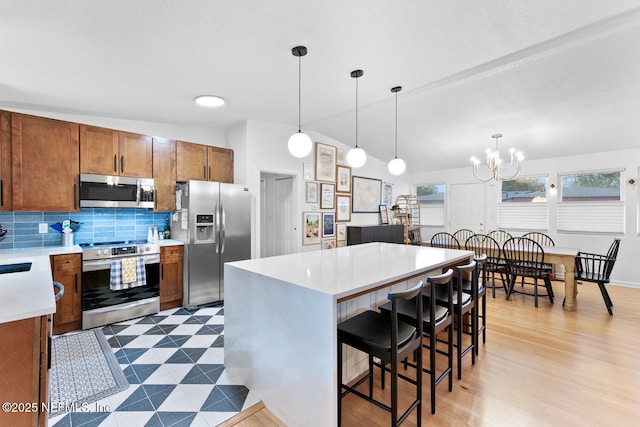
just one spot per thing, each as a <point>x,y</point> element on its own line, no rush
<point>463,303</point>
<point>435,318</point>
<point>391,340</point>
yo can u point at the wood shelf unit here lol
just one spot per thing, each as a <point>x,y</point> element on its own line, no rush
<point>409,215</point>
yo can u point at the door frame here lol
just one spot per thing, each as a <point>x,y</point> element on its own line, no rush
<point>296,184</point>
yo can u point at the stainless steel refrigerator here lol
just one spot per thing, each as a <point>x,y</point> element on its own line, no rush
<point>214,222</point>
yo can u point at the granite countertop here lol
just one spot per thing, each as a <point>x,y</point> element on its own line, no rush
<point>29,293</point>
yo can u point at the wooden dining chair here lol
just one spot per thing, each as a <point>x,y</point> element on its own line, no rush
<point>463,234</point>
<point>496,264</point>
<point>525,258</point>
<point>445,240</point>
<point>499,236</point>
<point>596,268</point>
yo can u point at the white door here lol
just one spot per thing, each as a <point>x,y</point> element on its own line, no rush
<point>284,215</point>
<point>466,207</point>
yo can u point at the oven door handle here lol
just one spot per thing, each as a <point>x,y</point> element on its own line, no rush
<point>106,265</point>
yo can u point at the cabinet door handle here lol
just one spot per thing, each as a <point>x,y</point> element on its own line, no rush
<point>75,198</point>
<point>209,177</point>
<point>76,276</point>
<point>115,163</point>
<point>204,171</point>
<point>155,199</point>
<point>122,163</point>
<point>1,195</point>
<point>162,271</point>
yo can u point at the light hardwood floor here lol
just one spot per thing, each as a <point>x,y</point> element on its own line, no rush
<point>539,367</point>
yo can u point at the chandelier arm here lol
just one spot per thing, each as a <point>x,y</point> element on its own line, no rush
<point>475,174</point>
<point>515,174</point>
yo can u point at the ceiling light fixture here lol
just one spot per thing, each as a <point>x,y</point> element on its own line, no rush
<point>396,165</point>
<point>494,163</point>
<point>299,143</point>
<point>209,100</point>
<point>356,157</point>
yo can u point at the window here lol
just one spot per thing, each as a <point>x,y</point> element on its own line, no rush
<point>591,202</point>
<point>431,199</point>
<point>524,204</point>
<point>532,189</point>
<point>591,187</point>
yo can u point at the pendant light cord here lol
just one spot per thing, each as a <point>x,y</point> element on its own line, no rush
<point>356,112</point>
<point>396,125</point>
<point>299,90</point>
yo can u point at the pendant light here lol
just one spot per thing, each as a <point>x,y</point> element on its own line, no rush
<point>356,157</point>
<point>299,143</point>
<point>397,166</point>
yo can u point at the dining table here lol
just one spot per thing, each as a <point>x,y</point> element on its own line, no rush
<point>558,255</point>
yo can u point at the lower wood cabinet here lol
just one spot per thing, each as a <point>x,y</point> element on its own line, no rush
<point>24,369</point>
<point>171,265</point>
<point>67,269</point>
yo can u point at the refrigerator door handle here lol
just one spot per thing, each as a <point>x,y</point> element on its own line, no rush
<point>223,236</point>
<point>217,229</point>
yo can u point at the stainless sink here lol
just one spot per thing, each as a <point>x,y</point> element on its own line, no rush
<point>15,268</point>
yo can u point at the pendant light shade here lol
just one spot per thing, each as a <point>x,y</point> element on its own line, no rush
<point>299,143</point>
<point>356,157</point>
<point>396,165</point>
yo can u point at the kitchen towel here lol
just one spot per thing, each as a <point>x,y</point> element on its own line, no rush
<point>116,281</point>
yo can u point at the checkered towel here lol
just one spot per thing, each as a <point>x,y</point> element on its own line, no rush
<point>124,275</point>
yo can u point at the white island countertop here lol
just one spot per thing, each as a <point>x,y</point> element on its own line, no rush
<point>349,270</point>
<point>281,316</point>
<point>29,293</point>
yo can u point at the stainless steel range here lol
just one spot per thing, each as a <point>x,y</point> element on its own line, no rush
<point>100,304</point>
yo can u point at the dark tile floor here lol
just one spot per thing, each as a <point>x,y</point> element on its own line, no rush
<point>174,362</point>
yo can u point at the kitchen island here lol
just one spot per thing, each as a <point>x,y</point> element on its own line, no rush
<point>281,315</point>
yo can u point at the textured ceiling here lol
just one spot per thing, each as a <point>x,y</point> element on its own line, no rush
<point>555,77</point>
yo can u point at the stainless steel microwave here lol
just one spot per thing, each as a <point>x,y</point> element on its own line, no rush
<point>106,191</point>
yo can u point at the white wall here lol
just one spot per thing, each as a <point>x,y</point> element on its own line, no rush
<point>266,151</point>
<point>625,271</point>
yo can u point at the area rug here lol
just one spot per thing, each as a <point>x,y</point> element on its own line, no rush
<point>83,370</point>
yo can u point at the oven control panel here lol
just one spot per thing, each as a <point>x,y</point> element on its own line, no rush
<point>96,253</point>
<point>124,250</point>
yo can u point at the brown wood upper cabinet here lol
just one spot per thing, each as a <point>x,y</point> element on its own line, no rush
<point>203,162</point>
<point>5,161</point>
<point>164,174</point>
<point>44,164</point>
<point>111,152</point>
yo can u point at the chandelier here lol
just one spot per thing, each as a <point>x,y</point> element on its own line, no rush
<point>495,163</point>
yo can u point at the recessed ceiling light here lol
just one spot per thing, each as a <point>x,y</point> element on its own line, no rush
<point>209,100</point>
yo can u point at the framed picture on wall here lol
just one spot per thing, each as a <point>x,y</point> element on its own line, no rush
<point>384,216</point>
<point>366,194</point>
<point>328,243</point>
<point>341,231</point>
<point>327,195</point>
<point>328,224</point>
<point>311,224</point>
<point>326,162</point>
<point>311,192</point>
<point>343,207</point>
<point>343,179</point>
<point>387,193</point>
